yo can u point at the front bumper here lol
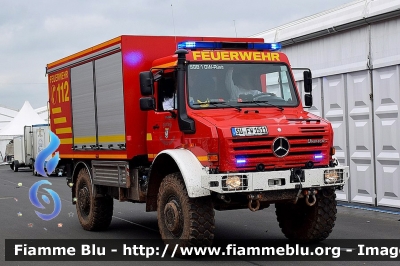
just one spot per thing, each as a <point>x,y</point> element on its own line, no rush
<point>274,180</point>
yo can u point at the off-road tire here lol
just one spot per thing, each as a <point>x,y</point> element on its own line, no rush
<point>302,223</point>
<point>94,214</point>
<point>183,220</point>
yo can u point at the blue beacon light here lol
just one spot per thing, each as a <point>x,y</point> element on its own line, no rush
<point>229,45</point>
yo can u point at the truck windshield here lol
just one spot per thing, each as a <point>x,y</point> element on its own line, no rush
<point>240,85</point>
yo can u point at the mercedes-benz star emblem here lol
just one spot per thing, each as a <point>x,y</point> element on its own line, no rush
<point>280,147</point>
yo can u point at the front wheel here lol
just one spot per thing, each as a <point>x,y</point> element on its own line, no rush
<point>303,223</point>
<point>189,220</point>
<point>94,214</point>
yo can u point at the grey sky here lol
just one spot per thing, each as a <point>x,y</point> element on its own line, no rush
<point>36,32</point>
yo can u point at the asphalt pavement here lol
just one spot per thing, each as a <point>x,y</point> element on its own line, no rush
<point>18,220</point>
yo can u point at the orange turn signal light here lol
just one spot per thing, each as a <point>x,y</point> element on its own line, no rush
<point>212,157</point>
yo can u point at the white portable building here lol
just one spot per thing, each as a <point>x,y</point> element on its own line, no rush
<point>354,54</point>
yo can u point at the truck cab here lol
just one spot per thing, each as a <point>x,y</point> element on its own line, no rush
<point>235,110</point>
<point>238,113</point>
<point>219,106</point>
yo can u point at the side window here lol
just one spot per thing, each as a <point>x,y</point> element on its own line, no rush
<point>272,83</point>
<point>278,84</point>
<point>286,91</point>
<point>166,96</point>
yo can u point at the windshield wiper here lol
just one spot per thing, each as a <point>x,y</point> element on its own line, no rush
<point>236,107</point>
<point>215,103</point>
<point>267,102</point>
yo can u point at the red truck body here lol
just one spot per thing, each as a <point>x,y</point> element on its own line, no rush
<point>138,54</point>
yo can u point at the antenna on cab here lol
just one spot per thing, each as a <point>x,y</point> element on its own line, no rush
<point>173,21</point>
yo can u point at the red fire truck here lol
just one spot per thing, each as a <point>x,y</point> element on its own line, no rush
<point>189,125</point>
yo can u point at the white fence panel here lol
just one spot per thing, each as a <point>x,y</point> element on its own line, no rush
<point>360,137</point>
<point>335,111</point>
<point>386,83</point>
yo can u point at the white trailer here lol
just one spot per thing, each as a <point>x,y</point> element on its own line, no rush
<point>40,140</point>
<point>28,146</point>
<point>22,150</point>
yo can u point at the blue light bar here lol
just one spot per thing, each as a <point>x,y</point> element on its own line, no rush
<point>238,161</point>
<point>267,46</point>
<point>318,156</point>
<point>229,45</point>
<point>199,45</point>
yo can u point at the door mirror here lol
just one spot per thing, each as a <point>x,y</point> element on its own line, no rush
<point>307,81</point>
<point>308,100</point>
<point>146,83</point>
<point>147,103</point>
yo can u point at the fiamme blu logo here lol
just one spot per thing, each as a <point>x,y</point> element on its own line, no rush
<point>33,196</point>
<point>45,169</point>
<point>51,165</point>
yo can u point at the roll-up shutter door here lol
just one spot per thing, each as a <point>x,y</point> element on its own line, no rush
<point>83,108</point>
<point>110,102</point>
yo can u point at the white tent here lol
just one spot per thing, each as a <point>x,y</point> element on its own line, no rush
<point>25,117</point>
<point>6,115</point>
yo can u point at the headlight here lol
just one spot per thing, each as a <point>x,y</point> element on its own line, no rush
<point>333,176</point>
<point>234,182</point>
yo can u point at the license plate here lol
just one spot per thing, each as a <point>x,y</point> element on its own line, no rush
<point>249,131</point>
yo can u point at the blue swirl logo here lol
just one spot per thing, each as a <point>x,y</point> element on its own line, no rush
<point>33,197</point>
<point>40,162</point>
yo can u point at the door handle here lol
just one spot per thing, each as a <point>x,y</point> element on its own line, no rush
<point>156,126</point>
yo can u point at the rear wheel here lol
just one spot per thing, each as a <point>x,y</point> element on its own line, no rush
<point>94,214</point>
<point>303,223</point>
<point>34,170</point>
<point>189,220</point>
<point>15,166</point>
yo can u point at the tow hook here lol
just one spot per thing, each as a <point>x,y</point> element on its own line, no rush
<point>224,198</point>
<point>256,198</point>
<point>311,193</point>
